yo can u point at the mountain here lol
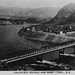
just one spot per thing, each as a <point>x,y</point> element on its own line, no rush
<point>13,11</point>
<point>66,15</point>
<point>44,12</point>
<point>29,15</point>
<point>29,12</point>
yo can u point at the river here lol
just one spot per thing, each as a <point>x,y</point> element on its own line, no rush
<point>11,42</point>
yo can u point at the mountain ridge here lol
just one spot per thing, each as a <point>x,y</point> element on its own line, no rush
<point>66,15</point>
<point>29,12</point>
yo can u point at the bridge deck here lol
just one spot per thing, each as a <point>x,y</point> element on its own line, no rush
<point>38,52</point>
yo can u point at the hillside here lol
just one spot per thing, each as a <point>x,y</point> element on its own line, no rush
<point>66,15</point>
<point>37,20</point>
<point>13,11</point>
<point>44,12</point>
<point>26,15</point>
<point>29,12</point>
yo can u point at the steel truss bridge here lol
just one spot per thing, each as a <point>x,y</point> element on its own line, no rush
<point>41,51</point>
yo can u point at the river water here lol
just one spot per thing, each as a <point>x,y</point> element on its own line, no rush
<point>11,42</point>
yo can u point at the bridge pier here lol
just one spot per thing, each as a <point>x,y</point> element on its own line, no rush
<point>61,52</point>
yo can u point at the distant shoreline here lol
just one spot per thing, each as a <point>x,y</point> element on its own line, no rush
<point>21,24</point>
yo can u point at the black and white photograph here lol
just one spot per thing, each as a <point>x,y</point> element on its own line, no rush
<point>37,35</point>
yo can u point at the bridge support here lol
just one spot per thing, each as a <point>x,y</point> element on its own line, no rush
<point>39,58</point>
<point>61,52</point>
<point>31,29</point>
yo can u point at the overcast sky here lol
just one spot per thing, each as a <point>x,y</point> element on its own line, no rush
<point>35,3</point>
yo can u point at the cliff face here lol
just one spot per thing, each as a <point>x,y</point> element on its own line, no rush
<point>66,15</point>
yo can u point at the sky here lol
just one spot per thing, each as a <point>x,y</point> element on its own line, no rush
<point>35,3</point>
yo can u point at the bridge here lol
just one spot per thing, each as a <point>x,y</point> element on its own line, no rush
<point>39,52</point>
